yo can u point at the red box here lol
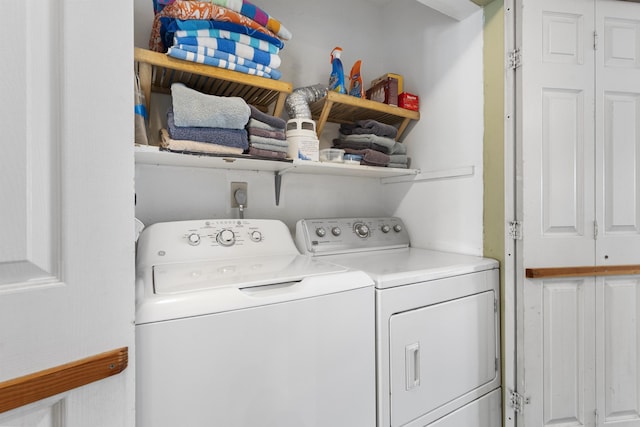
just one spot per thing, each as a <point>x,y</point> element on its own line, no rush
<point>409,101</point>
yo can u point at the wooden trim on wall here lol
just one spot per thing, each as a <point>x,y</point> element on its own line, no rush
<point>40,385</point>
<point>601,270</point>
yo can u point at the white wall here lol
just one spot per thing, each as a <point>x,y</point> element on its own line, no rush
<point>441,61</point>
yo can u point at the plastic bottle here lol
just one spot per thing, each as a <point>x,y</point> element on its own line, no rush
<point>355,87</point>
<point>336,80</point>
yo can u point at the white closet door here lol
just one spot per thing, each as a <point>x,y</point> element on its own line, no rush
<point>618,132</point>
<point>66,203</point>
<point>556,337</point>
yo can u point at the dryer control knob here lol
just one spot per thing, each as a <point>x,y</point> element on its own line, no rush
<point>256,236</point>
<point>336,231</point>
<point>193,239</point>
<point>361,230</point>
<point>385,228</point>
<point>397,228</point>
<point>321,232</point>
<point>226,238</point>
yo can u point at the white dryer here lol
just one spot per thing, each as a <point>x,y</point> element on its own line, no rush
<point>235,328</point>
<point>437,322</point>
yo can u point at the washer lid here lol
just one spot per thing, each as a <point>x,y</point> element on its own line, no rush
<point>176,278</point>
<point>397,267</point>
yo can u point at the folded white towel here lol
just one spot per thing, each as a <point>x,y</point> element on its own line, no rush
<point>195,109</point>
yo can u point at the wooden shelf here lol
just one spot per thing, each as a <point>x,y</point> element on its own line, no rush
<point>158,71</point>
<point>340,108</point>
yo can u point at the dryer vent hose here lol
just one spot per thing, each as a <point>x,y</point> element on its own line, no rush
<point>297,103</point>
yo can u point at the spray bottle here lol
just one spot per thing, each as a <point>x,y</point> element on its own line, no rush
<point>355,87</point>
<point>336,80</point>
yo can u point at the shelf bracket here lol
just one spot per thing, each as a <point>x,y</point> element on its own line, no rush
<point>277,182</point>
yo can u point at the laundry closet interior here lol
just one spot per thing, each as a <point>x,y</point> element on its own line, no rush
<point>436,204</point>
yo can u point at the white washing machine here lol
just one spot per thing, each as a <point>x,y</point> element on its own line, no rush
<point>235,328</point>
<point>437,322</point>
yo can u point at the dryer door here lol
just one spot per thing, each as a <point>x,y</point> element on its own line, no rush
<point>442,356</point>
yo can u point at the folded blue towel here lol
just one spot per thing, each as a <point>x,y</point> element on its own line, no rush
<point>231,59</point>
<point>196,109</point>
<point>235,48</point>
<point>228,137</point>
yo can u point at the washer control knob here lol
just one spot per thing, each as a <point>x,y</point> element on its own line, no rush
<point>226,237</point>
<point>336,231</point>
<point>321,232</point>
<point>361,230</point>
<point>256,236</point>
<point>193,239</point>
<point>397,228</point>
<point>385,228</point>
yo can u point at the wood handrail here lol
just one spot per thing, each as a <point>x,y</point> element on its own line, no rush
<point>592,270</point>
<point>49,382</point>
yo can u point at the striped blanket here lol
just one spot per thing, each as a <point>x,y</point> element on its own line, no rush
<point>228,35</point>
<point>216,62</point>
<point>224,56</point>
<point>234,48</point>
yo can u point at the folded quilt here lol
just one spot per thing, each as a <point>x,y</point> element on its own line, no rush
<point>229,35</point>
<point>260,16</point>
<point>194,146</point>
<point>369,126</point>
<point>271,147</point>
<point>267,153</point>
<point>370,157</point>
<point>228,137</point>
<point>255,139</point>
<point>171,25</point>
<point>234,62</point>
<point>196,109</point>
<point>266,133</point>
<point>275,122</point>
<point>185,9</point>
<point>230,46</point>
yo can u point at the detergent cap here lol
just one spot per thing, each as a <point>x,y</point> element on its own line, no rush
<point>335,53</point>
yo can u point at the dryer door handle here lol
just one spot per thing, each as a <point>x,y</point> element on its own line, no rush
<point>412,365</point>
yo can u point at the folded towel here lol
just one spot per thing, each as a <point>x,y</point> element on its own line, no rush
<point>399,148</point>
<point>228,35</point>
<point>255,139</point>
<point>183,145</point>
<point>398,165</point>
<point>196,109</point>
<point>266,133</point>
<point>369,126</point>
<point>235,48</point>
<point>380,143</point>
<point>370,157</point>
<point>185,9</point>
<point>228,137</point>
<point>398,158</point>
<point>205,55</point>
<point>171,25</point>
<point>260,16</point>
<point>271,147</point>
<point>267,153</point>
<point>275,122</point>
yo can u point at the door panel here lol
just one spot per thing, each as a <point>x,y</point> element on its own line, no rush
<point>618,351</point>
<point>618,132</point>
<point>558,338</point>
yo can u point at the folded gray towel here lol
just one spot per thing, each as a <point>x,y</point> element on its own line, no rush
<point>398,165</point>
<point>380,143</point>
<point>370,157</point>
<point>196,109</point>
<point>271,147</point>
<point>271,141</point>
<point>228,137</point>
<point>399,148</point>
<point>276,122</point>
<point>267,153</point>
<point>266,133</point>
<point>253,123</point>
<point>398,158</point>
<point>369,126</point>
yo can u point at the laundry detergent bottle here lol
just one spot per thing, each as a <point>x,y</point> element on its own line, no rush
<point>336,80</point>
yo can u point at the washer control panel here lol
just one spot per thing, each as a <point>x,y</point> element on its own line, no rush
<point>339,235</point>
<point>215,238</point>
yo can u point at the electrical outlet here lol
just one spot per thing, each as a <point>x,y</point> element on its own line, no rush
<point>238,186</point>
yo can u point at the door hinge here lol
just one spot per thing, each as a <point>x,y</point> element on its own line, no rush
<point>595,230</point>
<point>595,40</point>
<point>517,401</point>
<point>515,59</point>
<point>515,230</point>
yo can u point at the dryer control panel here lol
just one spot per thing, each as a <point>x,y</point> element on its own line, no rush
<point>326,236</point>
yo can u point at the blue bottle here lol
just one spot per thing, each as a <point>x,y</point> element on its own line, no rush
<point>336,80</point>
